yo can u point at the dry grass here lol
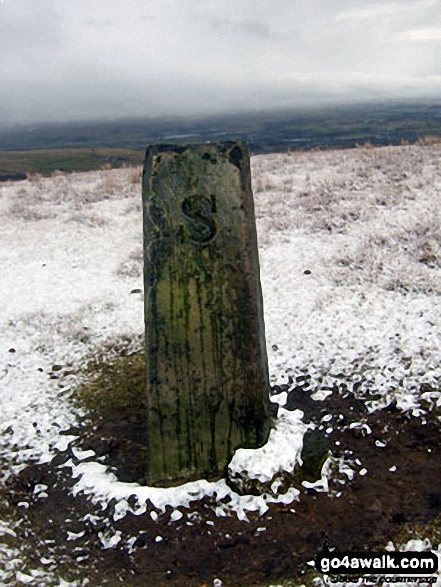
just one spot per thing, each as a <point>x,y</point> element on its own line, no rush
<point>76,194</point>
<point>332,191</point>
<point>389,196</point>
<point>134,175</point>
<point>402,255</point>
<point>89,219</point>
<point>35,178</point>
<point>428,140</point>
<point>366,145</point>
<point>133,265</point>
<point>28,212</point>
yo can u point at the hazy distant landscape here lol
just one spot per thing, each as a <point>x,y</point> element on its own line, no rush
<point>83,146</point>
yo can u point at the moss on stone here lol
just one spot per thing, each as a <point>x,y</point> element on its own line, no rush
<point>113,400</point>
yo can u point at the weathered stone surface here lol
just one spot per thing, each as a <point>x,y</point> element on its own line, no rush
<point>207,371</point>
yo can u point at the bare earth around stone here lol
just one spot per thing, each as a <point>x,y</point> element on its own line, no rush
<point>361,514</point>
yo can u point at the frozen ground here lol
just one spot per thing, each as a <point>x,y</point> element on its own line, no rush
<point>350,250</point>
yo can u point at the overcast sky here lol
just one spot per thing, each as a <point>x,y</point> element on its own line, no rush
<point>79,59</point>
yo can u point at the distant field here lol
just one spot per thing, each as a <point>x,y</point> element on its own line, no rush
<point>15,165</point>
<point>83,146</point>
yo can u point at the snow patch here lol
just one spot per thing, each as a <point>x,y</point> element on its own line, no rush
<point>280,454</point>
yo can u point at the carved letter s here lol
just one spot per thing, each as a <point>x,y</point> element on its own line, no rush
<point>198,211</point>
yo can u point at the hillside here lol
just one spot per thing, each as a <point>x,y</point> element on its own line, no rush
<point>350,252</point>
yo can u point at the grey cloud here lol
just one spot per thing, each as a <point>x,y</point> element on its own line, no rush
<point>82,58</point>
<point>29,26</point>
<point>98,24</point>
<point>252,28</point>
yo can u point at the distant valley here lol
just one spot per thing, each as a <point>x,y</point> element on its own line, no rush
<point>82,146</point>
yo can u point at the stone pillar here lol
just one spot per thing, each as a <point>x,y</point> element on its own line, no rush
<point>207,368</point>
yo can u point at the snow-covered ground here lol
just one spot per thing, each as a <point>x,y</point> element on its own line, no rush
<point>350,251</point>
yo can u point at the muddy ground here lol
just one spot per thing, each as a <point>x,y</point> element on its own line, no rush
<point>359,514</point>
